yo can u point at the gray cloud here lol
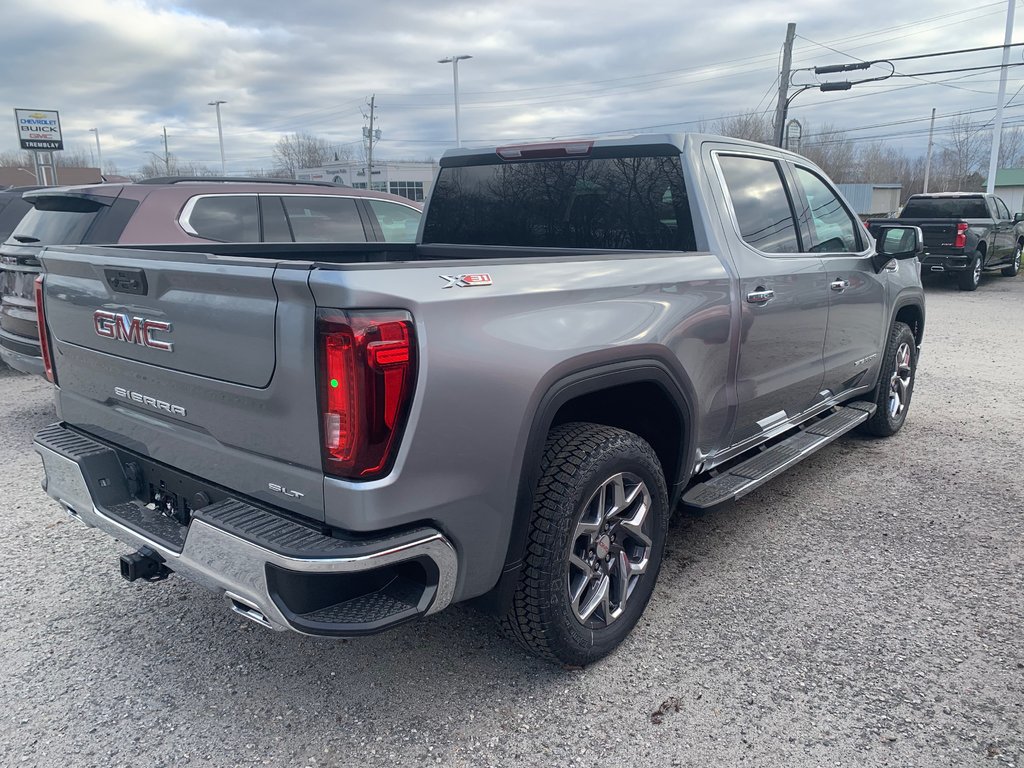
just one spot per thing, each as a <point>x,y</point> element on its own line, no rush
<point>130,67</point>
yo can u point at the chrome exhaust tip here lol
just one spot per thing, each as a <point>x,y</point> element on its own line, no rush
<point>251,612</point>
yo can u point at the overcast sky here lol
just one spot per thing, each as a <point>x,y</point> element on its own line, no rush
<point>539,70</point>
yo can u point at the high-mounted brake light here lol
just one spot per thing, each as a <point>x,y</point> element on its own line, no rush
<point>549,149</point>
<point>44,334</point>
<point>961,234</point>
<point>367,369</point>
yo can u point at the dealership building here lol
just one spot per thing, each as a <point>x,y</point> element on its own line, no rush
<point>411,179</point>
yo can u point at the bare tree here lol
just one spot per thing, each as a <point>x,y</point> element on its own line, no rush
<point>962,156</point>
<point>68,158</point>
<point>878,162</point>
<point>156,167</point>
<point>15,159</point>
<point>74,158</point>
<point>1011,148</point>
<point>303,150</point>
<point>832,150</point>
<point>752,126</point>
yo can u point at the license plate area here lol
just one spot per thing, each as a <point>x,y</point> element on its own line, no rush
<point>156,501</point>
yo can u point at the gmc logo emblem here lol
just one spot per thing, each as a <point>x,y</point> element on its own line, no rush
<point>134,330</point>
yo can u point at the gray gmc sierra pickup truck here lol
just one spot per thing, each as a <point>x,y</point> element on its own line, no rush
<point>342,438</point>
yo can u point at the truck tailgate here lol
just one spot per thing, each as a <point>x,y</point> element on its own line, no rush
<point>203,362</point>
<point>937,234</point>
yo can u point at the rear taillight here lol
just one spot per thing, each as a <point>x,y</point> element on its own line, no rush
<point>961,234</point>
<point>367,368</point>
<point>44,334</point>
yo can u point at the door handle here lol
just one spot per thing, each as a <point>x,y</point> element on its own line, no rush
<point>840,285</point>
<point>760,295</point>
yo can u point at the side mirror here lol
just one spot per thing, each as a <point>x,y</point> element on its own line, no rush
<point>1018,218</point>
<point>897,243</point>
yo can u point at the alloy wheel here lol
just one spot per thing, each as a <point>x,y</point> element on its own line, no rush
<point>899,385</point>
<point>609,550</point>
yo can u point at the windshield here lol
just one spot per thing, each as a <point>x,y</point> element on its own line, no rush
<point>628,203</point>
<point>946,208</point>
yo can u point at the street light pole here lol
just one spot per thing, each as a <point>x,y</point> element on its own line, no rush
<point>997,128</point>
<point>454,61</point>
<point>99,153</point>
<point>220,134</point>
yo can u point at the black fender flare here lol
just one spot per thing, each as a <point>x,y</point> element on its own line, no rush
<point>909,298</point>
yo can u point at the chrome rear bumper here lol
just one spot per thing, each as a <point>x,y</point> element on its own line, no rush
<point>229,546</point>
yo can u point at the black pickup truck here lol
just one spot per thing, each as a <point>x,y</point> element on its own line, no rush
<point>965,234</point>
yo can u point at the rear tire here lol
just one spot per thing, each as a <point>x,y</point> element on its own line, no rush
<point>1014,268</point>
<point>597,534</point>
<point>970,278</point>
<point>895,383</point>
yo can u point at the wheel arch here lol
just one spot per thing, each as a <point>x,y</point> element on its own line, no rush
<point>643,396</point>
<point>910,310</point>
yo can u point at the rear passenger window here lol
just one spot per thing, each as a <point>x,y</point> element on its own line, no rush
<point>324,219</point>
<point>1004,212</point>
<point>763,213</point>
<point>226,218</point>
<point>833,230</point>
<point>398,223</point>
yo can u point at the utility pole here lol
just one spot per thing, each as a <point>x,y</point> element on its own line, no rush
<point>167,155</point>
<point>928,157</point>
<point>99,153</point>
<point>220,135</point>
<point>997,128</point>
<point>780,106</point>
<point>371,136</point>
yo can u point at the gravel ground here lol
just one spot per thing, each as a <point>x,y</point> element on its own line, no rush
<point>865,608</point>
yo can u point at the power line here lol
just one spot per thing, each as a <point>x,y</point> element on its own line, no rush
<point>923,21</point>
<point>953,53</point>
<point>903,37</point>
<point>961,69</point>
<point>856,58</point>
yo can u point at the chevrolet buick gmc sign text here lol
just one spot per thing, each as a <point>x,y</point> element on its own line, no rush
<point>39,129</point>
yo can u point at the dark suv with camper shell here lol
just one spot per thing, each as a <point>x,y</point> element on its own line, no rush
<point>183,211</point>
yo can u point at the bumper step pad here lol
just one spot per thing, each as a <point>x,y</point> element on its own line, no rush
<point>398,601</point>
<point>288,537</point>
<point>745,477</point>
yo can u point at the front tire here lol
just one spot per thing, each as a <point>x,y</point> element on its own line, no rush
<point>895,383</point>
<point>1014,268</point>
<point>970,278</point>
<point>597,534</point>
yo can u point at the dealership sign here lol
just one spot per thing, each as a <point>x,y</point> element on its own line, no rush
<point>39,129</point>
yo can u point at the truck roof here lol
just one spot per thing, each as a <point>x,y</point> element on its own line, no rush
<point>582,146</point>
<point>950,194</point>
